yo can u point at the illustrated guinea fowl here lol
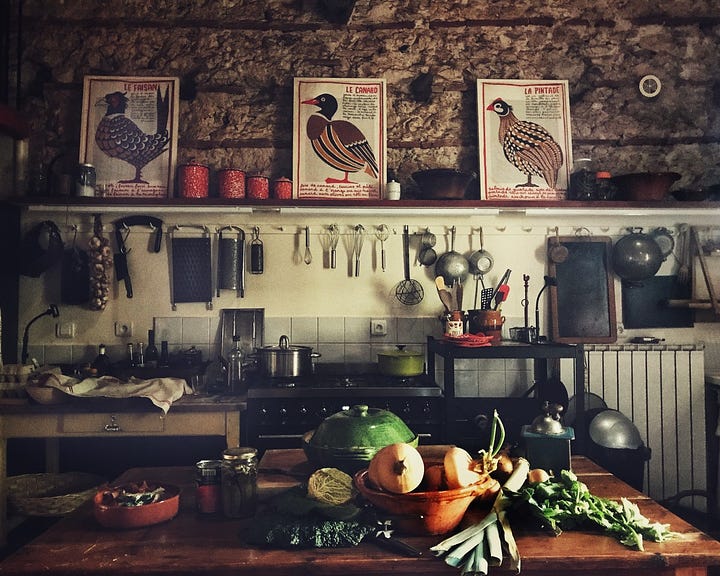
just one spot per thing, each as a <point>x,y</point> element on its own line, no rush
<point>338,143</point>
<point>527,146</point>
<point>119,137</point>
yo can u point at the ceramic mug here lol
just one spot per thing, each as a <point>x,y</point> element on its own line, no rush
<point>488,322</point>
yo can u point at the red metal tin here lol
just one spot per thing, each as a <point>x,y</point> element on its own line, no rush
<point>193,181</point>
<point>258,187</point>
<point>231,183</point>
<point>282,189</point>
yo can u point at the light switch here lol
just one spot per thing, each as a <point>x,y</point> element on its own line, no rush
<point>65,330</point>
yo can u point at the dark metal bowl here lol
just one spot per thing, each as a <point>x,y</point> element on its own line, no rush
<point>442,183</point>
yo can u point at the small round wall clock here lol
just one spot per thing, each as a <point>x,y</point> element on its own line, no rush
<point>650,86</point>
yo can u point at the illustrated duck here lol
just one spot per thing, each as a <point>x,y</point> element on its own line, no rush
<point>338,143</point>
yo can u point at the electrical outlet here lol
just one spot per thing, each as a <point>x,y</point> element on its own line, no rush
<point>123,329</point>
<point>378,327</point>
<point>65,330</point>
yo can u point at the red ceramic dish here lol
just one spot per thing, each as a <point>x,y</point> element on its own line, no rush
<point>114,516</point>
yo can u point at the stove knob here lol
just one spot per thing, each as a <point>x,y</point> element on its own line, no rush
<point>323,411</point>
<point>481,421</point>
<point>406,409</point>
<point>303,411</point>
<point>263,414</point>
<point>427,409</point>
<point>283,414</point>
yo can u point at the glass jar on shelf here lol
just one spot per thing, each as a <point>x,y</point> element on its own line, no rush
<point>582,180</point>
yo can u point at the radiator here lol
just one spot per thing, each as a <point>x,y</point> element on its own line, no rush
<point>661,388</point>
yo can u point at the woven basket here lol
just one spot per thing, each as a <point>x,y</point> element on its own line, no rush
<point>51,494</point>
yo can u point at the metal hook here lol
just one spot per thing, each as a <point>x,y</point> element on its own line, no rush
<point>256,232</point>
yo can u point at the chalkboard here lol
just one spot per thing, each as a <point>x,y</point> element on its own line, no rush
<point>582,305</point>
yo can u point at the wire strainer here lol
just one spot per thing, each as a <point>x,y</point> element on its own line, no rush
<point>408,291</point>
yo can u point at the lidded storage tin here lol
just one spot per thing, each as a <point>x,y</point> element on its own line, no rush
<point>258,187</point>
<point>231,183</point>
<point>239,482</point>
<point>193,180</point>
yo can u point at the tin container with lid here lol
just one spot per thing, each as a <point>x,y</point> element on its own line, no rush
<point>258,187</point>
<point>239,482</point>
<point>231,183</point>
<point>282,189</point>
<point>193,180</point>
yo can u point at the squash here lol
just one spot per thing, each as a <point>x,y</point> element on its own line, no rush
<point>537,475</point>
<point>397,468</point>
<point>434,479</point>
<point>458,466</point>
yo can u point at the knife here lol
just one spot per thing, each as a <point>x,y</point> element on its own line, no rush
<point>383,537</point>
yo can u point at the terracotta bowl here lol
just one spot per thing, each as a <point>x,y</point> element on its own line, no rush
<point>426,513</point>
<point>645,186</point>
<point>113,516</point>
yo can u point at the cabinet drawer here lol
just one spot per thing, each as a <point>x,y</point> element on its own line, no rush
<point>112,424</point>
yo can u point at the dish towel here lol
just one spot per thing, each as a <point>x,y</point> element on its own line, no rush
<point>161,391</point>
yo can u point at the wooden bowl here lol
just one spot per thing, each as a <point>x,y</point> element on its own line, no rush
<point>427,513</point>
<point>116,516</point>
<point>645,186</point>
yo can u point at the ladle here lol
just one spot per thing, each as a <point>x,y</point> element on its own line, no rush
<point>558,253</point>
<point>452,266</point>
<point>382,234</point>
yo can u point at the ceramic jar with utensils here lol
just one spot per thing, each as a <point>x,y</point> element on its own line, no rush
<point>487,322</point>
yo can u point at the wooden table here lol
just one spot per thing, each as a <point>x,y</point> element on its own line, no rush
<point>191,544</point>
<point>112,418</point>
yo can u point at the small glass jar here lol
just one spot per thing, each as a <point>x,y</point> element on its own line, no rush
<point>239,482</point>
<point>582,180</point>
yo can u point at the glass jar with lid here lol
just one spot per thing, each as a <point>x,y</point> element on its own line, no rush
<point>239,482</point>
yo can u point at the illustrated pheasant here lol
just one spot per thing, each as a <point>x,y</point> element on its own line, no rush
<point>338,143</point>
<point>119,137</point>
<point>527,146</point>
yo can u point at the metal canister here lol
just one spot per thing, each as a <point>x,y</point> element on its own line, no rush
<point>231,183</point>
<point>239,482</point>
<point>208,492</point>
<point>85,181</point>
<point>193,181</point>
<point>258,187</point>
<point>282,189</point>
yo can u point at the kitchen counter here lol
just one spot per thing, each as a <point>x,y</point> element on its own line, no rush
<point>201,415</point>
<point>192,544</point>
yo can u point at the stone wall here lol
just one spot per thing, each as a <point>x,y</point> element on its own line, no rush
<point>237,60</point>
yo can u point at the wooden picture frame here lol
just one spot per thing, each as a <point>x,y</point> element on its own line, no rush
<point>524,139</point>
<point>582,305</point>
<point>129,133</point>
<point>339,138</point>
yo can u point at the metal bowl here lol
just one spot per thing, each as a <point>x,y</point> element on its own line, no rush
<point>442,183</point>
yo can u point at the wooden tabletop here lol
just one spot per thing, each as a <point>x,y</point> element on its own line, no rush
<point>192,544</point>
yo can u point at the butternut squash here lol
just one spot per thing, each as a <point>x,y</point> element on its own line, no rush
<point>397,468</point>
<point>434,479</point>
<point>458,466</point>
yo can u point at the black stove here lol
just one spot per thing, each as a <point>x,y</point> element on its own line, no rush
<point>280,410</point>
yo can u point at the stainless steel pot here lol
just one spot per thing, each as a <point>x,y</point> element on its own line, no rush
<point>286,361</point>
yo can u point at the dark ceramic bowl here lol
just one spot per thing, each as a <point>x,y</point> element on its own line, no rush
<point>442,183</point>
<point>645,186</point>
<point>349,439</point>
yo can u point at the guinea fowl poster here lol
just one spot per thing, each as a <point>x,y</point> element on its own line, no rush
<point>339,133</point>
<point>525,141</point>
<point>129,133</point>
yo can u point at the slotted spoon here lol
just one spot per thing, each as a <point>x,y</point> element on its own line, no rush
<point>408,291</point>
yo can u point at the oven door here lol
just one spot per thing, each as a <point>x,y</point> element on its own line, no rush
<point>468,420</point>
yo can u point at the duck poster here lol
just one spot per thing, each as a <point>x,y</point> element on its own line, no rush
<point>129,133</point>
<point>339,138</point>
<point>525,142</point>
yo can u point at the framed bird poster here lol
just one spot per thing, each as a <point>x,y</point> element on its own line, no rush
<point>525,142</point>
<point>129,133</point>
<point>339,138</point>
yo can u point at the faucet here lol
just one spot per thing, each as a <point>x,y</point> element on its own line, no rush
<point>51,311</point>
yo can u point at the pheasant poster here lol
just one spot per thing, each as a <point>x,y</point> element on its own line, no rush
<point>129,133</point>
<point>339,138</point>
<point>525,142</point>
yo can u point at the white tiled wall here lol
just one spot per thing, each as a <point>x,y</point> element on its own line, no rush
<point>336,339</point>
